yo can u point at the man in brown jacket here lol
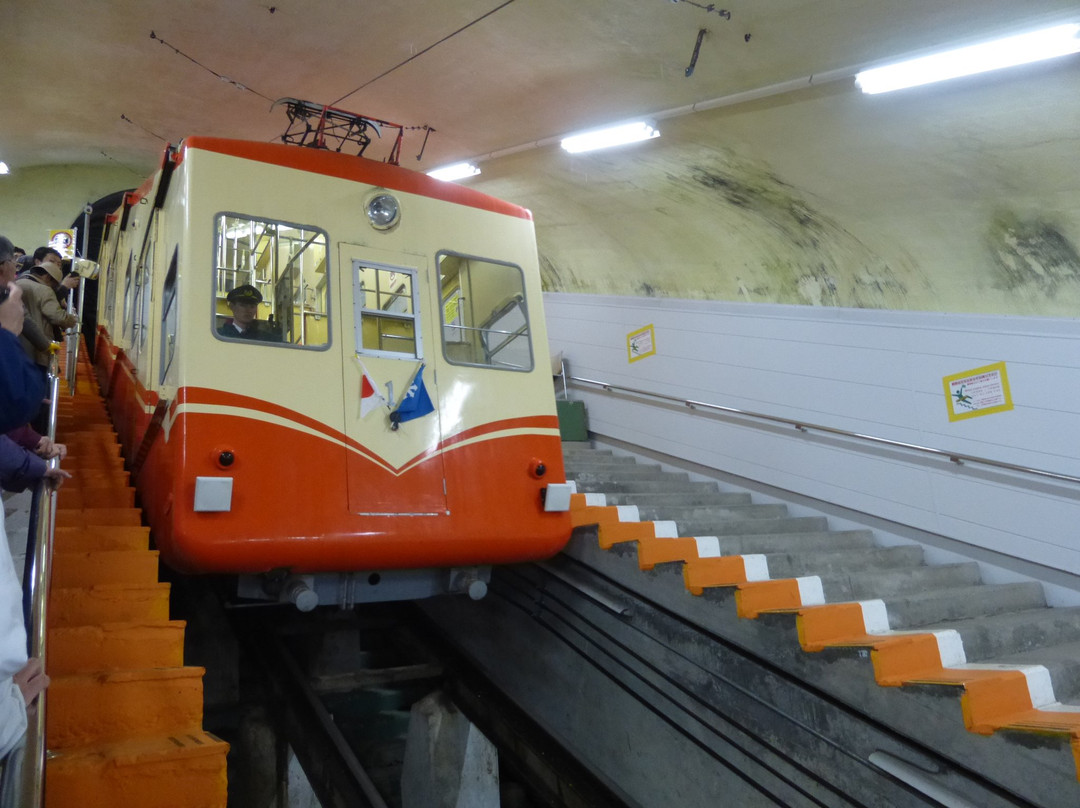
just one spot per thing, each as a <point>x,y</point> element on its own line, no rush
<point>39,295</point>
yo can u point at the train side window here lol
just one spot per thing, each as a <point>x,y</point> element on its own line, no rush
<point>110,293</point>
<point>484,318</point>
<point>287,266</point>
<point>128,280</point>
<point>387,310</point>
<point>144,273</point>
<point>169,319</point>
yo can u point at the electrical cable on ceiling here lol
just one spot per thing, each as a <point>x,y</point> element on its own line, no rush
<point>421,53</point>
<point>108,156</point>
<point>235,84</point>
<point>124,117</point>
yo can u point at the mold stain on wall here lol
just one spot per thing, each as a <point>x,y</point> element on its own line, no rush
<point>1031,257</point>
<point>703,222</point>
<point>803,256</point>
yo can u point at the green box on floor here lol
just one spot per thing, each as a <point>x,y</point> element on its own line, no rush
<point>572,420</point>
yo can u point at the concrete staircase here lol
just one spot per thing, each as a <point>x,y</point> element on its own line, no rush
<point>124,716</point>
<point>1014,661</point>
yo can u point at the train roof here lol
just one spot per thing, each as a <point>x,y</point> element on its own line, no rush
<point>351,167</point>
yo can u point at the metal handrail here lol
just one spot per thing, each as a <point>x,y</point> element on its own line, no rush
<point>33,765</point>
<point>72,335</point>
<point>804,426</point>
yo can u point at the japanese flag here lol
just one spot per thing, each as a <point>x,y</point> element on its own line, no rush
<point>370,397</point>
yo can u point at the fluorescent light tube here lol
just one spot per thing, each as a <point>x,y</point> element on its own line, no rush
<point>611,136</point>
<point>457,171</point>
<point>1014,50</point>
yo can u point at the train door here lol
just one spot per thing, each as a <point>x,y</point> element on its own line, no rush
<point>395,466</point>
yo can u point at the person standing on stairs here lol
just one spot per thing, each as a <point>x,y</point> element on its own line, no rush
<point>21,392</point>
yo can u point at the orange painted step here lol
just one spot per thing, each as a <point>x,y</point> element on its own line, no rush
<point>72,517</point>
<point>116,646</point>
<point>94,462</point>
<point>95,444</point>
<point>108,603</point>
<point>84,569</point>
<point>82,418</point>
<point>76,497</point>
<point>102,537</point>
<point>150,773</point>
<point>92,708</point>
<point>89,491</point>
<point>666,551</point>
<point>612,533</point>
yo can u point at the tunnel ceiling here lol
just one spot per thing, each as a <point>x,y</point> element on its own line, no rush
<point>100,83</point>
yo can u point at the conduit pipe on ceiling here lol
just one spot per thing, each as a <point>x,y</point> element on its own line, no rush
<point>780,88</point>
<point>744,97</point>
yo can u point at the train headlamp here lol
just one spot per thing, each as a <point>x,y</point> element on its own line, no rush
<point>383,211</point>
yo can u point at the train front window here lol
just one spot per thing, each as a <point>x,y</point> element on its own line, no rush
<point>484,318</point>
<point>270,282</point>
<point>386,310</point>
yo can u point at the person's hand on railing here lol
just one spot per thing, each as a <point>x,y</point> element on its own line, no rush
<point>31,680</point>
<point>54,478</point>
<point>48,449</point>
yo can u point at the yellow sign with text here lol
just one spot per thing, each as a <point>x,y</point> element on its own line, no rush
<point>640,343</point>
<point>981,391</point>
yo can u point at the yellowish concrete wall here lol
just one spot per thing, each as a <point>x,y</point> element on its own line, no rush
<point>962,197</point>
<point>34,201</point>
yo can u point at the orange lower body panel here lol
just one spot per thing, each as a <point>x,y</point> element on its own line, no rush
<point>290,498</point>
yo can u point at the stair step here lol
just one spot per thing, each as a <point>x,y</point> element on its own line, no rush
<point>1061,660</point>
<point>870,584</point>
<point>86,709</point>
<point>605,465</point>
<point>574,447</point>
<point>796,564</point>
<point>148,773</point>
<point>116,646</point>
<point>733,527</point>
<point>1001,635</point>
<point>646,486</point>
<point>97,516</point>
<point>636,472</point>
<point>108,603</point>
<point>91,474</point>
<point>700,514</point>
<point>794,542</point>
<point>102,537</point>
<point>658,502</point>
<point>81,497</point>
<point>81,569</point>
<point>942,606</point>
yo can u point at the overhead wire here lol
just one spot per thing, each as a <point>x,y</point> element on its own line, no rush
<point>211,71</point>
<point>421,53</point>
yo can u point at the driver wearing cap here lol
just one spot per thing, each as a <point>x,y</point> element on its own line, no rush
<point>244,303</point>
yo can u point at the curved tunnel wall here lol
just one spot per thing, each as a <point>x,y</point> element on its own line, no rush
<point>958,197</point>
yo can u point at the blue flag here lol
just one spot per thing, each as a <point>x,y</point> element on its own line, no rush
<point>416,403</point>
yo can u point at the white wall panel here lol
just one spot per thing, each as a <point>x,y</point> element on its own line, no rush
<point>868,371</point>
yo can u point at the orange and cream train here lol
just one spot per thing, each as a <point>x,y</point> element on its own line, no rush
<point>392,435</point>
